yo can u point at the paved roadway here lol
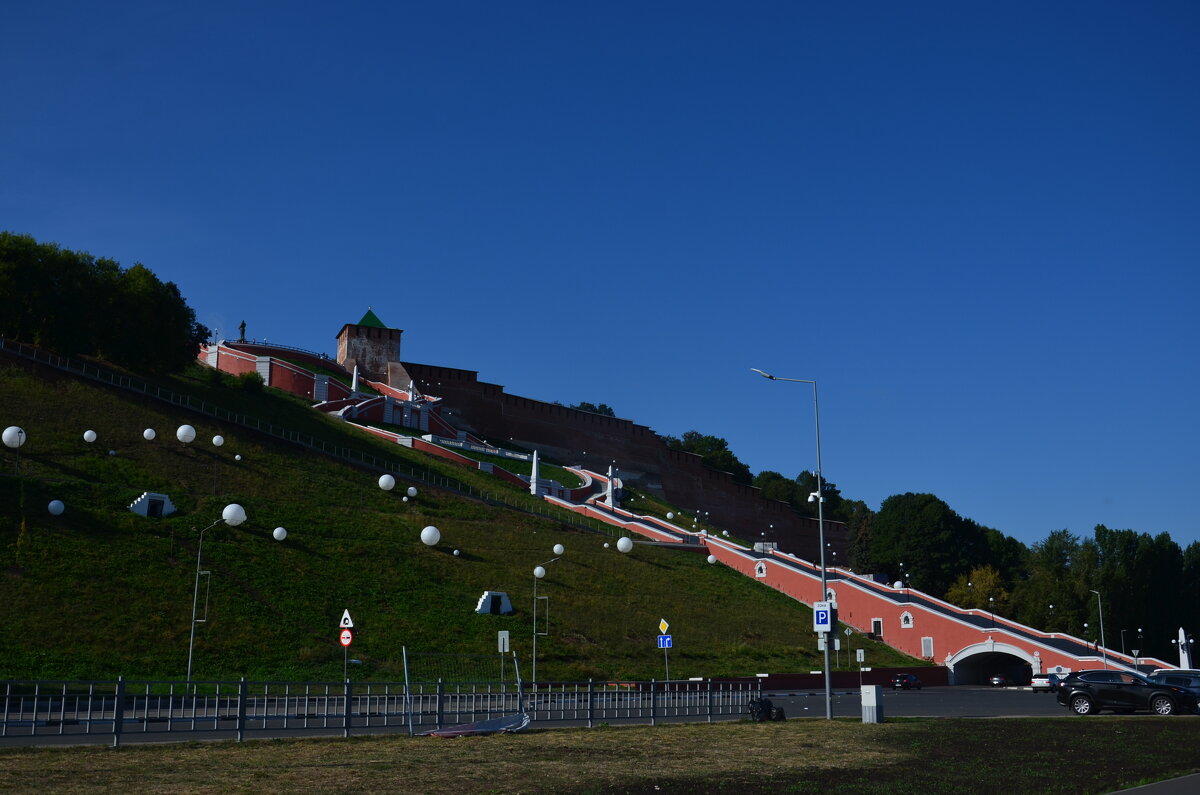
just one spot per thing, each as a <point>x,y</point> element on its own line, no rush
<point>960,701</point>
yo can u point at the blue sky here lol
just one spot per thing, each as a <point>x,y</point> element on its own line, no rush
<point>975,225</point>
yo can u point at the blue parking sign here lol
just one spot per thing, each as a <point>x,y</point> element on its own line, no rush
<point>822,617</point>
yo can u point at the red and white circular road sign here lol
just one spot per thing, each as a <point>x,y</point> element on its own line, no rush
<point>346,637</point>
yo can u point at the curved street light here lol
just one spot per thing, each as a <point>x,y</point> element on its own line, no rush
<point>539,572</point>
<point>233,515</point>
<point>818,497</point>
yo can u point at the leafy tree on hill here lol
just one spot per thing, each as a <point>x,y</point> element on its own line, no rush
<point>75,304</point>
<point>982,588</point>
<point>933,542</point>
<point>603,408</point>
<point>714,451</point>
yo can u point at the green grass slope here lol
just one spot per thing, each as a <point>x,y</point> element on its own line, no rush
<point>100,591</point>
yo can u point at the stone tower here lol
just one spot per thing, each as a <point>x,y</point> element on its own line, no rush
<point>372,346</point>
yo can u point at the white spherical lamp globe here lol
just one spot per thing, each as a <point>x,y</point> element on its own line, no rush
<point>237,457</point>
<point>624,544</point>
<point>712,558</point>
<point>185,434</point>
<point>430,536</point>
<point>233,514</point>
<point>13,437</point>
<point>606,545</point>
<point>559,549</point>
<point>387,482</point>
<point>456,553</point>
<point>218,441</point>
<point>412,491</point>
<point>279,533</point>
<point>539,571</point>
<point>56,507</point>
<point>670,514</point>
<point>897,585</point>
<point>89,436</point>
<point>149,434</point>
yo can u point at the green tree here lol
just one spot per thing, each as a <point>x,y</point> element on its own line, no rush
<point>602,408</point>
<point>73,304</point>
<point>715,453</point>
<point>934,544</point>
<point>982,588</point>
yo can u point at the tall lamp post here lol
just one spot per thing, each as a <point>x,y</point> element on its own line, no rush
<point>819,498</point>
<point>538,573</point>
<point>233,515</point>
<point>1103,645</point>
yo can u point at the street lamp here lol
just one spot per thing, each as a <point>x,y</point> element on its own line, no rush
<point>233,515</point>
<point>818,497</point>
<point>538,573</point>
<point>1103,645</point>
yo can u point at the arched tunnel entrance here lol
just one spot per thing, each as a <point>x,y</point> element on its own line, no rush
<point>976,665</point>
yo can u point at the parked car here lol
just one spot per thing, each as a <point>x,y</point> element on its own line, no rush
<point>1187,679</point>
<point>906,682</point>
<point>1047,682</point>
<point>999,680</point>
<point>1088,692</point>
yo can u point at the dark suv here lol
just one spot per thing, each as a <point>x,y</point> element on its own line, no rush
<point>905,682</point>
<point>1088,692</point>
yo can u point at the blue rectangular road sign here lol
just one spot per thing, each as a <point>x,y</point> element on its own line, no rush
<point>664,641</point>
<point>822,617</point>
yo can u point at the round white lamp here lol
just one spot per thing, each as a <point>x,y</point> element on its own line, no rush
<point>279,533</point>
<point>430,536</point>
<point>185,434</point>
<point>149,434</point>
<point>89,436</point>
<point>712,558</point>
<point>218,441</point>
<point>233,514</point>
<point>539,571</point>
<point>387,482</point>
<point>13,437</point>
<point>559,549</point>
<point>412,491</point>
<point>624,544</point>
<point>56,507</point>
<point>670,514</point>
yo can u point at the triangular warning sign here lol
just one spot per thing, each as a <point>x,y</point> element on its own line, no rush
<point>346,622</point>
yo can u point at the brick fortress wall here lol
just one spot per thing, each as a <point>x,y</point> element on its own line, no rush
<point>572,436</point>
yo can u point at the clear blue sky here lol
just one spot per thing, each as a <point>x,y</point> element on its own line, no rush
<point>975,225</point>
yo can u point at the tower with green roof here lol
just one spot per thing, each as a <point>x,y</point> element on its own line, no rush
<point>371,346</point>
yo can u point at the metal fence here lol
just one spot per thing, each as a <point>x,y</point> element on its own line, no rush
<point>80,711</point>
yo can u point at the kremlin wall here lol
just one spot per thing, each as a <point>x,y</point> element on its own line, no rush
<point>450,401</point>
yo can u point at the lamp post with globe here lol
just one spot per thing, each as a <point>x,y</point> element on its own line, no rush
<point>539,572</point>
<point>233,515</point>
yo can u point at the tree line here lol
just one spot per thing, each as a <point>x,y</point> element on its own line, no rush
<point>76,304</point>
<point>1148,586</point>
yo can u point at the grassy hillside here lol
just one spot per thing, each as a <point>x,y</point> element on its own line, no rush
<point>100,591</point>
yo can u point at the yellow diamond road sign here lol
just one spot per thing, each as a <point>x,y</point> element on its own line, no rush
<point>662,626</point>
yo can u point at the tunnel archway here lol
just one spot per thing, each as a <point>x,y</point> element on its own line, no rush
<point>976,664</point>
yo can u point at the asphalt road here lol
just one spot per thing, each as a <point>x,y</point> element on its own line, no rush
<point>960,701</point>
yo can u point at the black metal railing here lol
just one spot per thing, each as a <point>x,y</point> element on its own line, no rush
<point>41,711</point>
